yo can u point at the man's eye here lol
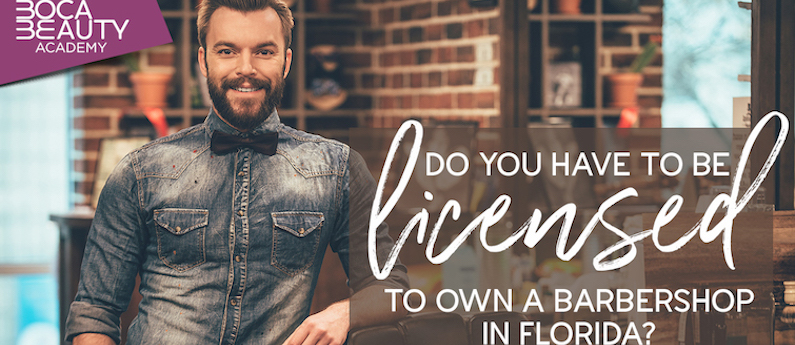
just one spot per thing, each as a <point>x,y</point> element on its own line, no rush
<point>266,52</point>
<point>225,51</point>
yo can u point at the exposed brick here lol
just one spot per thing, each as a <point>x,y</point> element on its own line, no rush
<point>444,101</point>
<point>434,32</point>
<point>444,8</point>
<point>364,17</point>
<point>78,80</point>
<point>650,101</point>
<point>398,36</point>
<point>485,99</point>
<point>463,7</point>
<point>415,34</point>
<point>357,59</point>
<point>465,54</point>
<point>421,11</point>
<point>386,15</point>
<point>95,79</point>
<point>407,58</point>
<point>426,102</point>
<point>405,13</point>
<point>435,79</point>
<point>108,101</point>
<point>123,80</point>
<point>86,144</point>
<point>656,19</point>
<point>466,100</point>
<point>445,54</point>
<point>416,80</point>
<point>652,80</point>
<point>370,81</point>
<point>657,61</point>
<point>86,166</point>
<point>645,38</point>
<point>373,38</point>
<point>389,59</point>
<point>83,187</point>
<point>406,102</point>
<point>424,56</point>
<point>454,30</point>
<point>397,81</point>
<point>460,77</point>
<point>92,122</point>
<point>78,102</point>
<point>387,102</point>
<point>161,59</point>
<point>494,26</point>
<point>474,28</point>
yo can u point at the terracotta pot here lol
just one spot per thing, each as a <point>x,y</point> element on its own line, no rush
<point>322,6</point>
<point>150,89</point>
<point>567,6</point>
<point>624,89</point>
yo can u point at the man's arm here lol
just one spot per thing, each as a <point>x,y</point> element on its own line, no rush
<point>331,326</point>
<point>111,259</point>
<point>92,339</point>
<point>370,304</point>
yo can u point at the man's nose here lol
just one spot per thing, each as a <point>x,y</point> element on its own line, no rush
<point>244,66</point>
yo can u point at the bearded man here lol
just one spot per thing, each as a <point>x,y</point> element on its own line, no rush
<point>227,222</point>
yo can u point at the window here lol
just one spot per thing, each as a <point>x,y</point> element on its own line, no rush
<point>34,183</point>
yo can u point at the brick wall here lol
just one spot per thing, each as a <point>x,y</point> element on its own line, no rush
<point>102,93</point>
<point>623,43</point>
<point>424,59</point>
<point>423,62</point>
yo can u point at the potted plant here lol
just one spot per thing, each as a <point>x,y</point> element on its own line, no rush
<point>567,6</point>
<point>150,86</point>
<point>624,85</point>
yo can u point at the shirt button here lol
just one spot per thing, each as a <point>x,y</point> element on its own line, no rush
<point>234,302</point>
<point>237,258</point>
<point>178,229</point>
<point>241,174</point>
<point>301,231</point>
<point>240,213</point>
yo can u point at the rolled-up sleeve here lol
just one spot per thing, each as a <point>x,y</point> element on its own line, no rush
<point>351,245</point>
<point>112,257</point>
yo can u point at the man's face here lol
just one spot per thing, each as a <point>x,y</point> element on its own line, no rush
<point>245,62</point>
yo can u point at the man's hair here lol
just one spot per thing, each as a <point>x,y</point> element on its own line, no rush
<point>207,8</point>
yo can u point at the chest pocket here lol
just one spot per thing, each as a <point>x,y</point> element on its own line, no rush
<point>296,235</point>
<point>180,237</point>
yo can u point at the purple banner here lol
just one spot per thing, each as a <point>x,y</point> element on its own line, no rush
<point>44,36</point>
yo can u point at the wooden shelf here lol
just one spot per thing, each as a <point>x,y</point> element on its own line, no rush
<point>591,17</point>
<point>574,111</point>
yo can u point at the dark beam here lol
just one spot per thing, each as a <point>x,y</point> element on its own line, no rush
<point>514,63</point>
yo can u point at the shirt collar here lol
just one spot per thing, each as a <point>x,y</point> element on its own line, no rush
<point>214,123</point>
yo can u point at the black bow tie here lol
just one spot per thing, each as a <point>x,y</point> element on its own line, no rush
<point>222,143</point>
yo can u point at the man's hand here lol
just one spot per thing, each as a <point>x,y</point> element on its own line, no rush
<point>328,327</point>
<point>92,339</point>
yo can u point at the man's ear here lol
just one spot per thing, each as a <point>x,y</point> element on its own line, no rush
<point>202,61</point>
<point>288,59</point>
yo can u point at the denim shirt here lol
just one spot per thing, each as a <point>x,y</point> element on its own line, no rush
<point>228,247</point>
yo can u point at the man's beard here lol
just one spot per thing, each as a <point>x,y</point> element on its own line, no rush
<point>251,112</point>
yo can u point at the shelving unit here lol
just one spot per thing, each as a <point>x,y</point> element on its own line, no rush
<point>181,15</point>
<point>544,27</point>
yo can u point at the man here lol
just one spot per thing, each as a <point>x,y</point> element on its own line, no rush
<point>227,221</point>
